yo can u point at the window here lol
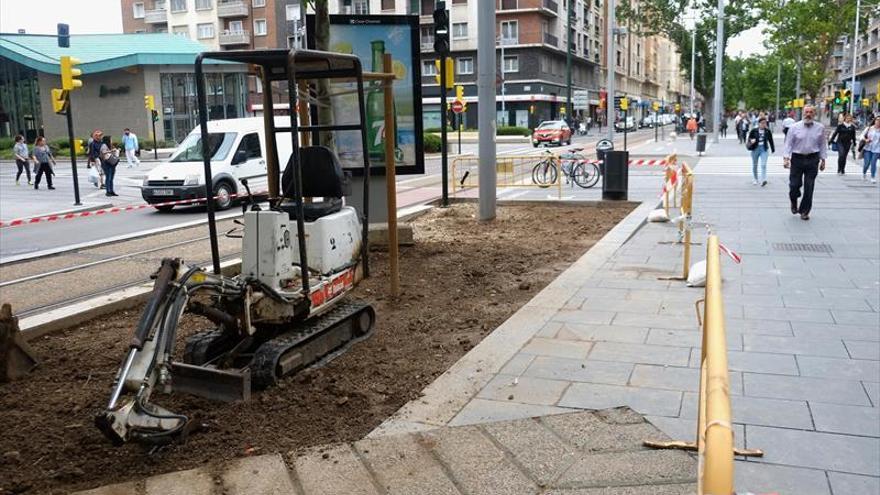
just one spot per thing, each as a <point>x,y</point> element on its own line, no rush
<point>464,65</point>
<point>259,3</point>
<point>204,4</point>
<point>178,5</point>
<point>459,30</point>
<point>292,11</point>
<point>428,68</point>
<point>509,32</point>
<point>361,7</point>
<point>459,1</point>
<point>387,4</point>
<point>139,31</point>
<point>618,60</point>
<point>250,145</point>
<point>205,31</point>
<point>260,27</point>
<point>138,10</point>
<point>545,65</point>
<point>181,31</point>
<point>511,63</point>
<point>509,4</point>
<point>235,27</point>
<point>427,35</point>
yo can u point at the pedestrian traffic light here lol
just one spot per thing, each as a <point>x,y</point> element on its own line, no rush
<point>441,29</point>
<point>149,103</point>
<point>450,72</point>
<point>78,147</point>
<point>59,100</point>
<point>63,35</point>
<point>837,99</point>
<point>69,73</point>
<point>155,114</point>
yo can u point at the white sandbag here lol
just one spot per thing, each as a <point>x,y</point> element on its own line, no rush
<point>658,215</point>
<point>697,275</point>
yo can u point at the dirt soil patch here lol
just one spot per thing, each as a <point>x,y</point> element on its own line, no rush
<point>460,280</point>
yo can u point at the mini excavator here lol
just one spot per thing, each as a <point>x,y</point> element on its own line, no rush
<point>286,309</point>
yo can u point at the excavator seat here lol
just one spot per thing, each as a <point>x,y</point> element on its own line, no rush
<point>322,176</point>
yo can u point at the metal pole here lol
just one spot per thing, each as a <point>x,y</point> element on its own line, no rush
<point>201,96</point>
<point>72,151</point>
<point>485,94</point>
<point>852,100</point>
<point>610,64</point>
<point>568,13</point>
<point>797,85</point>
<point>693,61</point>
<point>503,94</point>
<point>444,122</point>
<point>390,182</point>
<point>155,142</point>
<point>778,72</point>
<point>719,65</point>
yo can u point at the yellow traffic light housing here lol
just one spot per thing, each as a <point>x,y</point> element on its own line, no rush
<point>624,103</point>
<point>450,73</point>
<point>149,103</point>
<point>459,93</point>
<point>59,100</point>
<point>69,74</point>
<point>78,147</point>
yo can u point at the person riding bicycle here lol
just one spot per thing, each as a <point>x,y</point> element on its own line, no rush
<point>692,126</point>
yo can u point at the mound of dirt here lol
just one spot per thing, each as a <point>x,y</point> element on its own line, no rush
<point>459,281</point>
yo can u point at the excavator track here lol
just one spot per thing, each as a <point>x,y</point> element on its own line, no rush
<point>315,341</point>
<point>204,346</point>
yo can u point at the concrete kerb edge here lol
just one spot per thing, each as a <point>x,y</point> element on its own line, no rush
<point>447,395</point>
<point>81,209</point>
<point>67,316</point>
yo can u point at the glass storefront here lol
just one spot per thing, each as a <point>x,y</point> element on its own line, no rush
<point>19,101</point>
<point>227,94</point>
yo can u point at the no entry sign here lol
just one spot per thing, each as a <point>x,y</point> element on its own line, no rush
<point>457,106</point>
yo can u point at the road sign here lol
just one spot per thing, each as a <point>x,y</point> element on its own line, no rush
<point>457,106</point>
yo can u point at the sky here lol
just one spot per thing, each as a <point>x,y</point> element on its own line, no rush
<point>105,16</point>
<point>42,16</point>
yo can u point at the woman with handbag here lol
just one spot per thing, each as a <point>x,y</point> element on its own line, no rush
<point>842,140</point>
<point>109,160</point>
<point>759,141</point>
<point>871,151</point>
<point>43,156</point>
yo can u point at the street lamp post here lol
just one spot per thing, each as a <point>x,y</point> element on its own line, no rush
<point>693,61</point>
<point>852,100</point>
<point>610,64</point>
<point>719,65</point>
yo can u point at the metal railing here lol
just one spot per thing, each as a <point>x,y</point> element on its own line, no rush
<point>511,171</point>
<point>232,9</point>
<point>551,5</point>
<point>551,40</point>
<point>155,16</point>
<point>235,38</point>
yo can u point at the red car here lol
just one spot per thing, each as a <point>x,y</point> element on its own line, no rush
<point>552,131</point>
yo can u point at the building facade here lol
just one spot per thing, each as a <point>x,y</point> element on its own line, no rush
<point>867,68</point>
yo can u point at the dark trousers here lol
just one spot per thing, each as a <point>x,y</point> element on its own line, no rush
<point>803,172</point>
<point>842,152</point>
<point>22,167</point>
<point>109,173</point>
<point>44,169</point>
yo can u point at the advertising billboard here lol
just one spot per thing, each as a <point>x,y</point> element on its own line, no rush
<point>370,37</point>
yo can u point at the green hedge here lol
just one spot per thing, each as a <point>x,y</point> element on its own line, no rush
<point>432,143</point>
<point>6,143</point>
<point>513,131</point>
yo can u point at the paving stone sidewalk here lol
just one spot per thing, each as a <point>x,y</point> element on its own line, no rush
<point>586,453</point>
<point>803,333</point>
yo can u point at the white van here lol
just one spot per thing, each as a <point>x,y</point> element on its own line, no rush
<point>237,152</point>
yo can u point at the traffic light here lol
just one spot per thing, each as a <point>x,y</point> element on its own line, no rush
<point>69,73</point>
<point>63,35</point>
<point>441,29</point>
<point>59,100</point>
<point>450,72</point>
<point>78,146</point>
<point>149,103</point>
<point>624,103</point>
<point>847,94</point>
<point>838,97</point>
<point>678,107</point>
<point>155,114</point>
<point>459,93</point>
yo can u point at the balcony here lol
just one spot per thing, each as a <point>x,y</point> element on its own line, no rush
<point>427,46</point>
<point>232,9</point>
<point>551,40</point>
<point>550,7</point>
<point>155,16</point>
<point>230,38</point>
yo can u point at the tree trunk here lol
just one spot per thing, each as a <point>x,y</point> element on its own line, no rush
<point>322,42</point>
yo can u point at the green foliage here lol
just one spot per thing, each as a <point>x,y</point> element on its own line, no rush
<point>513,131</point>
<point>59,144</point>
<point>753,80</point>
<point>6,143</point>
<point>432,143</point>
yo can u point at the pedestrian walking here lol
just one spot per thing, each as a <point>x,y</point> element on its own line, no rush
<point>744,129</point>
<point>724,126</point>
<point>760,140</point>
<point>787,122</point>
<point>841,140</point>
<point>804,155</point>
<point>872,151</point>
<point>22,159</point>
<point>94,150</point>
<point>130,145</point>
<point>692,127</point>
<point>109,160</point>
<point>43,157</point>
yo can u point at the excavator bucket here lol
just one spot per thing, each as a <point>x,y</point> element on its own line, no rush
<point>17,359</point>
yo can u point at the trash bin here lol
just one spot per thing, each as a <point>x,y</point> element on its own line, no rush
<point>615,183</point>
<point>601,147</point>
<point>701,142</point>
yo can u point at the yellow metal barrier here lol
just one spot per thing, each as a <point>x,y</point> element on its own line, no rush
<point>511,171</point>
<point>715,444</point>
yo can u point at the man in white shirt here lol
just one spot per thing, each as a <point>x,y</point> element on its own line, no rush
<point>786,124</point>
<point>130,143</point>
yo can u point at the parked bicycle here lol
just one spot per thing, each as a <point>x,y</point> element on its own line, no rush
<point>576,168</point>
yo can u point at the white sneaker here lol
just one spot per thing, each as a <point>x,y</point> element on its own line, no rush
<point>754,182</point>
<point>873,180</point>
<point>864,178</point>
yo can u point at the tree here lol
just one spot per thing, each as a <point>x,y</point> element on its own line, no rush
<point>752,81</point>
<point>667,17</point>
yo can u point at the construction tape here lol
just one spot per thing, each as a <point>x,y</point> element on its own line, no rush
<point>107,211</point>
<point>733,255</point>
